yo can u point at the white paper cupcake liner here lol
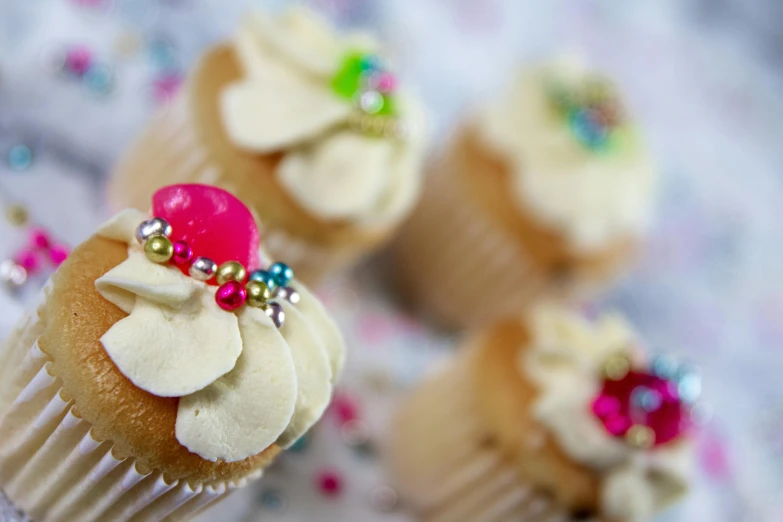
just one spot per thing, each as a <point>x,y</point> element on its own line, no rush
<point>53,469</point>
<point>445,465</point>
<point>459,265</point>
<point>169,152</point>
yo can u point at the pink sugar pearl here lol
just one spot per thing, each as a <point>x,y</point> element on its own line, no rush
<point>230,296</point>
<point>78,60</point>
<point>345,408</point>
<point>386,82</point>
<point>28,260</point>
<point>183,254</point>
<point>58,254</point>
<point>329,483</point>
<point>39,238</point>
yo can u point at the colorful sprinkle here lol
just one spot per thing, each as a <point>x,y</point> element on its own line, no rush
<point>78,60</point>
<point>384,499</point>
<point>329,483</point>
<point>591,110</point>
<point>20,157</point>
<point>272,500</point>
<point>17,215</point>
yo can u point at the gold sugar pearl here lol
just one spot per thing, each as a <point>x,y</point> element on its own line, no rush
<point>617,367</point>
<point>158,249</point>
<point>640,437</point>
<point>231,271</point>
<point>17,214</point>
<point>258,294</point>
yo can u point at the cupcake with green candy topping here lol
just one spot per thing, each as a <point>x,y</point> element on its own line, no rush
<point>307,126</point>
<point>545,192</point>
<point>167,365</point>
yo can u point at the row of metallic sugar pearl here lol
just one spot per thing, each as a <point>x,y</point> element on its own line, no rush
<point>236,288</point>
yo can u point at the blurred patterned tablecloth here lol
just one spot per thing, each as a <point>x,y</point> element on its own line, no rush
<point>709,287</point>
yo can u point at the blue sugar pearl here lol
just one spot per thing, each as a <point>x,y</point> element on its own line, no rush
<point>587,130</point>
<point>646,399</point>
<point>370,62</point>
<point>162,55</point>
<point>664,366</point>
<point>272,500</point>
<point>282,273</point>
<point>20,157</point>
<point>264,277</point>
<point>99,79</point>
<point>689,387</point>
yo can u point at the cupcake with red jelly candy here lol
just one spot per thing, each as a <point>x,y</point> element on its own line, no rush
<point>547,417</point>
<point>309,126</point>
<point>165,366</point>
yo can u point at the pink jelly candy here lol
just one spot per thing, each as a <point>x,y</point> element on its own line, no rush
<point>213,222</point>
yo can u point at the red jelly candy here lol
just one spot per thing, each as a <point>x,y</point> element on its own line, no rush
<point>642,399</point>
<point>213,222</point>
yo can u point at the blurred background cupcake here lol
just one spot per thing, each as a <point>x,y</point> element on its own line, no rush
<point>544,192</point>
<point>551,417</point>
<point>307,126</point>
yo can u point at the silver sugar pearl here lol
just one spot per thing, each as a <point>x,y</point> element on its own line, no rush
<point>371,102</point>
<point>287,293</point>
<point>384,499</point>
<point>203,269</point>
<point>12,274</point>
<point>152,227</point>
<point>275,312</point>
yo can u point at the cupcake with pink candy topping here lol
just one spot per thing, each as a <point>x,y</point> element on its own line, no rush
<point>548,417</point>
<point>167,364</point>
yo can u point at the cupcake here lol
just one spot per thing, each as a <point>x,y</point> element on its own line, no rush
<point>156,376</point>
<point>545,192</point>
<point>307,127</point>
<point>548,417</point>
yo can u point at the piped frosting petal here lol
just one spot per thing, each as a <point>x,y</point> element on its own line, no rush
<point>248,409</point>
<point>343,177</point>
<point>299,37</point>
<point>325,327</point>
<point>313,371</point>
<point>174,352</point>
<point>257,118</point>
<point>137,277</point>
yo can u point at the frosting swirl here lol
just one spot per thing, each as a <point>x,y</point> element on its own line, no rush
<point>287,102</point>
<point>243,384</point>
<point>594,197</point>
<point>565,360</point>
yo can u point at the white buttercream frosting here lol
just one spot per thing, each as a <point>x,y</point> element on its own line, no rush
<point>565,359</point>
<point>285,103</point>
<point>592,197</point>
<point>243,383</point>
